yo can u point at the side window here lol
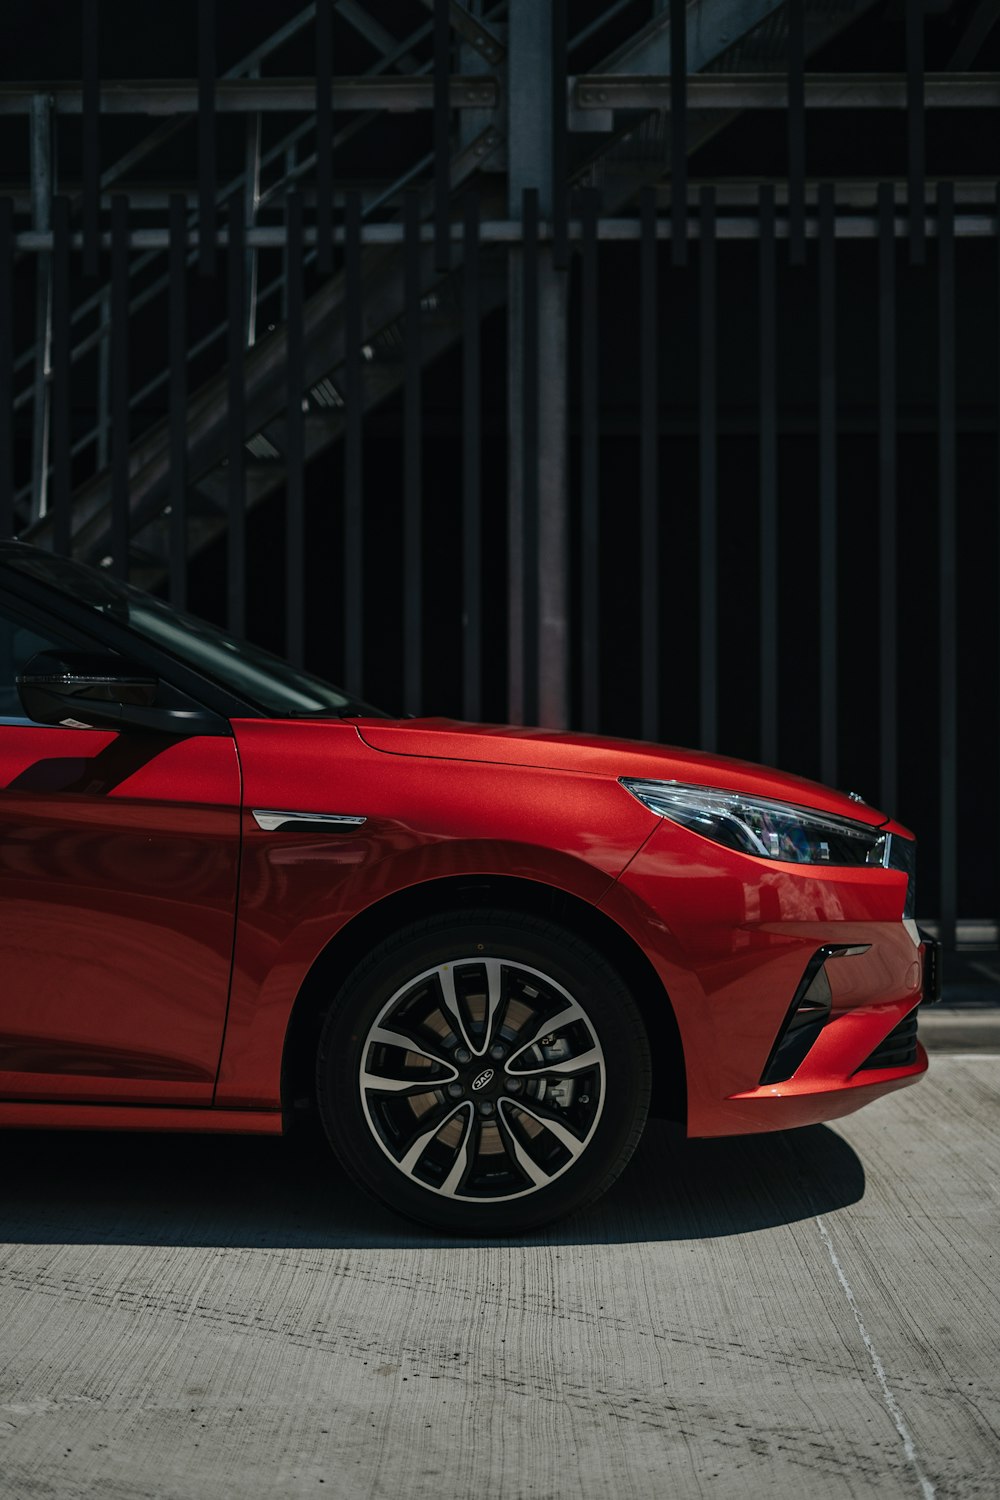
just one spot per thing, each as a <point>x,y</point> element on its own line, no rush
<point>19,640</point>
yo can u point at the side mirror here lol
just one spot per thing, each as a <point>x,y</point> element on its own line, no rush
<point>92,690</point>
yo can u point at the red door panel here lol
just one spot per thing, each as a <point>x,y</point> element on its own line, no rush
<point>118,867</point>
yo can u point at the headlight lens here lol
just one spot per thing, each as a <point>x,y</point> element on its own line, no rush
<point>761,826</point>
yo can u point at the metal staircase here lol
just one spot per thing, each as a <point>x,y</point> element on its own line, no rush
<point>265,398</point>
<point>723,35</point>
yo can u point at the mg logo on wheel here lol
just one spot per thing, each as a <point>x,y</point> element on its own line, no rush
<point>483,1079</point>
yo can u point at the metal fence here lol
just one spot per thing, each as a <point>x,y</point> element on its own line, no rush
<point>533,427</point>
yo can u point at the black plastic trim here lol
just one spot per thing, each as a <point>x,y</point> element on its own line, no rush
<point>930,950</point>
<point>898,1049</point>
<point>800,1028</point>
<point>903,857</point>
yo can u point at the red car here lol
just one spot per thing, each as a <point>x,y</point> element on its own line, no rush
<point>230,892</point>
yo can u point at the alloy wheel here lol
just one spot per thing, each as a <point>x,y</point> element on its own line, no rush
<point>482,1079</point>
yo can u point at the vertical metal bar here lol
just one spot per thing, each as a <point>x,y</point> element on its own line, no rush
<point>61,439</point>
<point>206,137</point>
<point>236,551</point>
<point>442,122</point>
<point>768,485</point>
<point>90,139</point>
<point>542,452</point>
<point>413,559</point>
<point>915,123</point>
<point>649,466</point>
<point>295,533</point>
<point>947,556</point>
<point>560,184</point>
<point>678,133</point>
<point>353,454</point>
<point>177,398</point>
<point>119,386</point>
<point>590,538</point>
<point>708,544</point>
<point>827,488</point>
<point>887,602</point>
<point>553,503</point>
<point>796,133</point>
<point>530,392</point>
<point>6,367</point>
<point>291,162</point>
<point>104,382</point>
<point>251,203</point>
<point>324,137</point>
<point>472,532</point>
<point>40,125</point>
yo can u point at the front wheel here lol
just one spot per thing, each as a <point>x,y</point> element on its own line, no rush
<point>484,1072</point>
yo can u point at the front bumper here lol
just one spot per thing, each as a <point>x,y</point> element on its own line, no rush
<point>731,939</point>
<point>823,1087</point>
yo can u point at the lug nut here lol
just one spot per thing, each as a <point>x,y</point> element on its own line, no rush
<point>497,1051</point>
<point>485,1106</point>
<point>455,1090</point>
<point>461,1056</point>
<point>513,1085</point>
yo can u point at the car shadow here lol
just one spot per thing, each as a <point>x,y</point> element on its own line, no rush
<point>82,1188</point>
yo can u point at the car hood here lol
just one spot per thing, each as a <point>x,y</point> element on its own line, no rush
<point>557,750</point>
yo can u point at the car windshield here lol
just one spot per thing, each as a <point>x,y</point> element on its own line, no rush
<point>247,671</point>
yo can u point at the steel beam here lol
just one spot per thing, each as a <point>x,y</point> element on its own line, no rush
<point>852,193</point>
<point>974,224</point>
<point>711,27</point>
<point>236,96</point>
<point>473,32</point>
<point>375,34</point>
<point>713,91</point>
<point>984,18</point>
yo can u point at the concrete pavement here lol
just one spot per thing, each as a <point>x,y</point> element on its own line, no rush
<point>193,1319</point>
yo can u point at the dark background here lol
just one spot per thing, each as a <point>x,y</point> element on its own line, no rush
<point>42,41</point>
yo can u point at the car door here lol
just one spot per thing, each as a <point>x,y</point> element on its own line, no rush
<point>119,858</point>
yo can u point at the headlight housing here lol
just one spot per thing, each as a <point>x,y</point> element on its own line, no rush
<point>762,826</point>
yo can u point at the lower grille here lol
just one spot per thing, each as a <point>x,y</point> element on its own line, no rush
<point>899,1048</point>
<point>809,1013</point>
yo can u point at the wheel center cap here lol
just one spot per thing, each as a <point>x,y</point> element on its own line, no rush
<point>481,1080</point>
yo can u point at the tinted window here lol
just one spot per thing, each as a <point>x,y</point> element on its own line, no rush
<point>19,641</point>
<point>250,673</point>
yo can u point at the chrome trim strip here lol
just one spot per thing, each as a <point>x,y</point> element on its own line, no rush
<point>273,822</point>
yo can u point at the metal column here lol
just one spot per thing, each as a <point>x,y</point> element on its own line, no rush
<point>40,121</point>
<point>530,110</point>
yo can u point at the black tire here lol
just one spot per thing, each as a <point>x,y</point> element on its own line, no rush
<point>483,1072</point>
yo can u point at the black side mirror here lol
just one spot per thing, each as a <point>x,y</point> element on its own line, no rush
<point>94,690</point>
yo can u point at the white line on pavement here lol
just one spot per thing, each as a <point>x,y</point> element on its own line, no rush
<point>927,1489</point>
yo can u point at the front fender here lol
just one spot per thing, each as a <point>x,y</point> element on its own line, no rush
<point>426,821</point>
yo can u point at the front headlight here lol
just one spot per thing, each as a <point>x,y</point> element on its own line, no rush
<point>761,826</point>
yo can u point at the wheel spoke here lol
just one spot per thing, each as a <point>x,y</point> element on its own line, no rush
<point>536,1174</point>
<point>565,1017</point>
<point>396,1039</point>
<point>417,1147</point>
<point>574,1145</point>
<point>589,1059</point>
<point>461,1163</point>
<point>446,978</point>
<point>375,1083</point>
<point>494,974</point>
